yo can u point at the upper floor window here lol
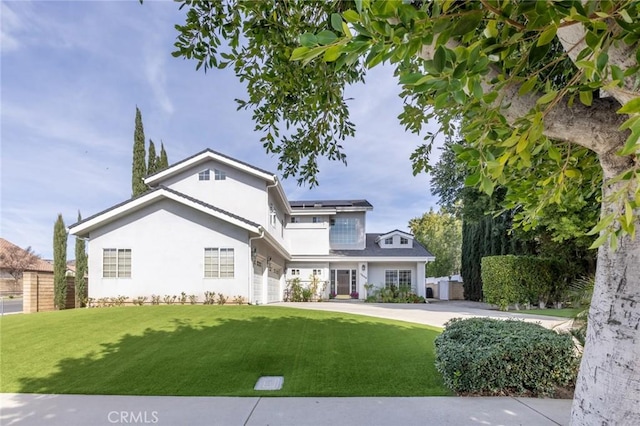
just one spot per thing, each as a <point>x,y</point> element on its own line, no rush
<point>219,263</point>
<point>116,263</point>
<point>295,271</point>
<point>388,240</point>
<point>295,219</point>
<point>272,215</point>
<point>204,175</point>
<point>316,219</point>
<point>219,175</point>
<point>404,241</point>
<point>343,230</point>
<point>317,272</point>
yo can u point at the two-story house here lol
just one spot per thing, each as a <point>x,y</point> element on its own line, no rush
<point>214,223</point>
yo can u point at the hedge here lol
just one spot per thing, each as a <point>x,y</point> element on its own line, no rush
<point>507,280</point>
<point>496,357</point>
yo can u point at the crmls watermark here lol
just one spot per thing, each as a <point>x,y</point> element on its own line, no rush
<point>132,417</point>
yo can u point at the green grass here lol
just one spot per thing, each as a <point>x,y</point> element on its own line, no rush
<point>215,350</point>
<point>563,313</point>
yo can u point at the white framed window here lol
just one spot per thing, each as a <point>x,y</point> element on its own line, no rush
<point>272,215</point>
<point>295,219</point>
<point>294,272</point>
<point>397,277</point>
<point>343,230</point>
<point>316,219</point>
<point>388,241</point>
<point>404,241</point>
<point>317,272</point>
<point>219,262</point>
<point>220,175</point>
<point>116,263</point>
<point>204,175</point>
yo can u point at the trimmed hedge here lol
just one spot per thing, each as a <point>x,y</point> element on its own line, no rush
<point>520,279</point>
<point>488,356</point>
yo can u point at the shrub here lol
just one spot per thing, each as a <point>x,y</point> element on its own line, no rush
<point>354,295</point>
<point>193,299</point>
<point>209,297</point>
<point>222,299</point>
<point>488,356</point>
<point>183,298</point>
<point>139,300</point>
<point>238,300</point>
<point>155,299</point>
<point>508,280</point>
<point>170,300</point>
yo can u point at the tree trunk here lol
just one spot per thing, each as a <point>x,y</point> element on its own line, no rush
<point>608,387</point>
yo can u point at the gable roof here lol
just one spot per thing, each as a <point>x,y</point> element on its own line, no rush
<point>39,265</point>
<point>206,155</point>
<point>85,226</point>
<point>372,249</point>
<point>395,231</point>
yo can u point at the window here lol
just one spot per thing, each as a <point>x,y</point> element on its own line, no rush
<point>219,175</point>
<point>354,287</point>
<point>316,219</point>
<point>398,278</point>
<point>317,272</point>
<point>272,215</point>
<point>343,231</point>
<point>295,272</point>
<point>204,175</point>
<point>295,219</point>
<point>404,241</point>
<point>388,241</point>
<point>116,263</point>
<point>218,263</point>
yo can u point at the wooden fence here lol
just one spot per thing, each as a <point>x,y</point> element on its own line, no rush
<point>37,292</point>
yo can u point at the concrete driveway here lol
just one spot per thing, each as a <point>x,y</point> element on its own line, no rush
<point>435,313</point>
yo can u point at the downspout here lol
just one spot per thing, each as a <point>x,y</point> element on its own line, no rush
<point>251,239</point>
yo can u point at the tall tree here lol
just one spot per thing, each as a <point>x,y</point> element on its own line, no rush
<point>535,82</point>
<point>152,159</point>
<point>441,234</point>
<point>163,161</point>
<point>138,169</point>
<point>15,260</point>
<point>59,264</point>
<point>81,270</point>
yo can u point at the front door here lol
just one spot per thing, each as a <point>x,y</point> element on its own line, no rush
<point>343,280</point>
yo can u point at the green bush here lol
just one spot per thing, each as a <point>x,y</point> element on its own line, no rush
<point>507,280</point>
<point>488,356</point>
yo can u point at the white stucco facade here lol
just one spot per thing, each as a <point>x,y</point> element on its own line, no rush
<point>213,223</point>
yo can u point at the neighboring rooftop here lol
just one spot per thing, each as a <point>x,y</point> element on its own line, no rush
<point>40,265</point>
<point>308,204</point>
<point>373,249</point>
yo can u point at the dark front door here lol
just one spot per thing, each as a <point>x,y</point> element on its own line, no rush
<point>343,281</point>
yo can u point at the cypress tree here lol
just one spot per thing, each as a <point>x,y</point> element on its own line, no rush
<point>138,169</point>
<point>153,159</point>
<point>59,264</point>
<point>163,162</point>
<point>81,270</point>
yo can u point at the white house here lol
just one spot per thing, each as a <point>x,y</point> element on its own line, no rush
<point>214,223</point>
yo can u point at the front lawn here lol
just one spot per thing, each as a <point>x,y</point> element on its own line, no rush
<point>215,350</point>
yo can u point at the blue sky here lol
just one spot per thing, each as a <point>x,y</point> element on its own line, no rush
<point>72,73</point>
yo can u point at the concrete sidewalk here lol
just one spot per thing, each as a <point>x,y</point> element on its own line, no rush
<point>69,410</point>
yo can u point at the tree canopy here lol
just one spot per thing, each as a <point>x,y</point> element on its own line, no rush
<point>546,94</point>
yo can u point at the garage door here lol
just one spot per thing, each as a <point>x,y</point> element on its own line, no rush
<point>273,291</point>
<point>257,282</point>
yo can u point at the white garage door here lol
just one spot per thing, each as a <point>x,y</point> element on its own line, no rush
<point>257,282</point>
<point>273,291</point>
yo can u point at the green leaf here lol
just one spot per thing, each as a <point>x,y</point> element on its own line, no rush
<point>599,241</point>
<point>308,40</point>
<point>298,53</point>
<point>411,79</point>
<point>467,23</point>
<point>630,107</point>
<point>440,59</point>
<point>336,22</point>
<point>528,85</point>
<point>547,35</point>
<point>602,224</point>
<point>326,37</point>
<point>626,17</point>
<point>351,16</point>
<point>546,98</point>
<point>572,173</point>
<point>602,60</point>
<point>586,97</point>
<point>487,185</point>
<point>332,54</point>
<point>472,180</point>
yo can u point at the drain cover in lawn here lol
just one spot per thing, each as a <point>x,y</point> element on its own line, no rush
<point>269,383</point>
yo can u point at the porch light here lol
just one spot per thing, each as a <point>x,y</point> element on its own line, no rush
<point>364,268</point>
